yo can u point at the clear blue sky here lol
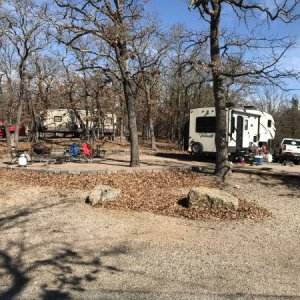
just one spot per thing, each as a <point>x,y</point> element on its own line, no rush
<point>176,11</point>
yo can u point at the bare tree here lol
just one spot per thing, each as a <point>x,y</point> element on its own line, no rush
<point>41,75</point>
<point>150,49</point>
<point>24,31</point>
<point>112,23</point>
<point>287,118</point>
<point>186,77</point>
<point>221,45</point>
<point>269,99</point>
<point>8,95</point>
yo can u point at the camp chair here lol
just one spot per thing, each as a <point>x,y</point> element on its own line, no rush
<point>40,152</point>
<point>87,151</point>
<point>75,153</point>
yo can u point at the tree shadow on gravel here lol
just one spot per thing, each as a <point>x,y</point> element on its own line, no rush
<point>67,271</point>
<point>10,220</point>
<point>64,269</point>
<point>186,157</point>
<point>61,264</point>
<point>293,184</point>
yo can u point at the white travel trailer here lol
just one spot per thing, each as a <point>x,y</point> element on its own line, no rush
<point>246,128</point>
<point>66,121</point>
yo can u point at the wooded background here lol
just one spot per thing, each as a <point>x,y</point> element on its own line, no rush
<point>115,57</point>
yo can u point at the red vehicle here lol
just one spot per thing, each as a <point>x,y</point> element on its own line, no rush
<point>12,129</point>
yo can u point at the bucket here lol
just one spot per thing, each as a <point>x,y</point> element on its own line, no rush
<point>22,160</point>
<point>258,160</point>
<point>269,158</point>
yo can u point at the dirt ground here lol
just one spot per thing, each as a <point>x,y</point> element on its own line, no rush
<point>55,246</point>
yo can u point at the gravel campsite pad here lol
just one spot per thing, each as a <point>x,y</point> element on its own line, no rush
<point>146,245</point>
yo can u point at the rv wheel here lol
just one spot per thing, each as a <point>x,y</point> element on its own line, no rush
<point>197,148</point>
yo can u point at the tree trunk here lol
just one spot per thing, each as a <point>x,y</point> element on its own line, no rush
<point>121,120</point>
<point>219,96</point>
<point>98,117</point>
<point>152,134</point>
<point>122,58</point>
<point>114,127</point>
<point>19,112</point>
<point>179,123</point>
<point>121,130</point>
<point>221,135</point>
<point>6,122</point>
<point>7,134</point>
<point>134,142</point>
<point>150,119</point>
<point>172,134</point>
<point>34,123</point>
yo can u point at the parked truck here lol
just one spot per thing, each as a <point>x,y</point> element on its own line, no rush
<point>247,129</point>
<point>12,129</point>
<point>289,151</point>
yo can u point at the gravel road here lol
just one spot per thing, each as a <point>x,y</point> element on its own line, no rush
<point>54,246</point>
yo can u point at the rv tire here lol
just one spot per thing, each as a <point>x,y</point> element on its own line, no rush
<point>197,149</point>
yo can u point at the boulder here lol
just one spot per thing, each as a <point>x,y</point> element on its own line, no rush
<point>102,193</point>
<point>212,198</point>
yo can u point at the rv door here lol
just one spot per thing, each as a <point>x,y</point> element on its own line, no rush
<point>247,131</point>
<point>239,133</point>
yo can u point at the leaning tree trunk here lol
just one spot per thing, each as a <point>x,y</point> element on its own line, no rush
<point>219,96</point>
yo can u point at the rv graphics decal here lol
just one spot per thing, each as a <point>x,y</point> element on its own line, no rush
<point>207,135</point>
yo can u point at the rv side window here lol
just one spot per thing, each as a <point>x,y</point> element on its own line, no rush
<point>269,123</point>
<point>57,119</point>
<point>206,124</point>
<point>246,124</point>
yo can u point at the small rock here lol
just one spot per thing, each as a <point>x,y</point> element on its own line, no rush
<point>102,193</point>
<point>212,198</point>
<point>236,186</point>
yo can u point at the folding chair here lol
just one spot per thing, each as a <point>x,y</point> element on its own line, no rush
<point>87,151</point>
<point>75,152</point>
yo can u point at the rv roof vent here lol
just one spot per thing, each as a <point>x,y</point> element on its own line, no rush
<point>249,107</point>
<point>230,104</point>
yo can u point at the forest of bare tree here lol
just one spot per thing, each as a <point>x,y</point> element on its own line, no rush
<point>114,56</point>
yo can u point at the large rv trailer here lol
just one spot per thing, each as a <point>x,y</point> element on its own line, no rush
<point>246,128</point>
<point>66,121</point>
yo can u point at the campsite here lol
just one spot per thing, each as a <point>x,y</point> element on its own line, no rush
<point>147,244</point>
<point>149,149</point>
